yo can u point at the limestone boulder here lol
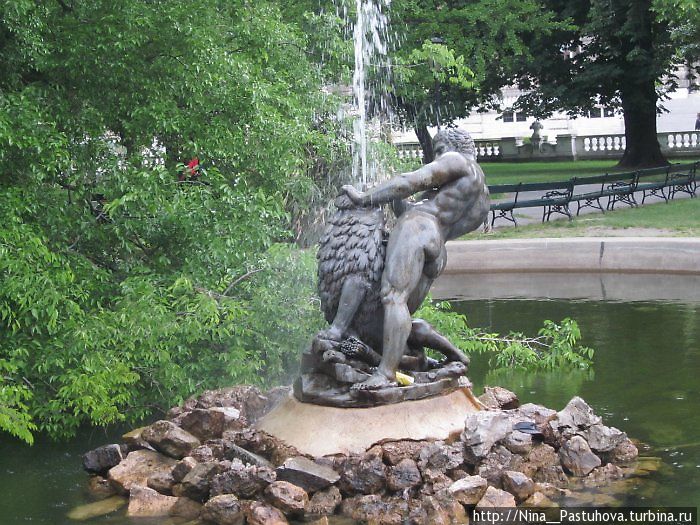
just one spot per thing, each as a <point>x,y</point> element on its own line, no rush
<point>162,482</point>
<point>482,430</point>
<point>262,444</point>
<point>134,441</point>
<point>576,416</point>
<point>434,481</point>
<point>146,502</point>
<point>499,460</point>
<point>225,509</point>
<point>324,502</point>
<point>258,513</point>
<point>499,398</point>
<point>625,452</point>
<point>442,457</point>
<point>576,457</point>
<point>468,490</point>
<point>196,484</point>
<point>289,498</point>
<point>203,423</point>
<point>182,468</point>
<point>603,439</point>
<point>137,467</point>
<point>232,451</point>
<point>375,509</point>
<point>496,498</point>
<point>518,442</point>
<point>166,437</point>
<point>245,481</point>
<point>518,484</point>
<point>395,451</point>
<point>539,501</point>
<point>307,474</point>
<point>363,475</point>
<point>101,459</point>
<point>536,413</point>
<point>604,475</point>
<point>403,475</point>
<point>443,510</point>
<point>96,508</point>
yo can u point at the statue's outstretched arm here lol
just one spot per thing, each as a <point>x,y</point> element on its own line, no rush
<point>447,168</point>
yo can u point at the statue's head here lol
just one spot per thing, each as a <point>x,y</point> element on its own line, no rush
<point>453,139</point>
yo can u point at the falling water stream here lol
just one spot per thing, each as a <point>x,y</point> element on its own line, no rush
<point>371,43</point>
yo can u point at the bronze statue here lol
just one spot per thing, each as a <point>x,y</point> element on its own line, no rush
<point>369,291</point>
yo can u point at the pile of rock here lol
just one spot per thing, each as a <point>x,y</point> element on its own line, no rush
<point>208,461</point>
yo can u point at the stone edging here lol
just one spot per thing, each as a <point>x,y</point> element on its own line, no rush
<point>576,254</point>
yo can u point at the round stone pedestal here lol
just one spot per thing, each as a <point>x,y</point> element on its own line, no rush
<point>321,430</point>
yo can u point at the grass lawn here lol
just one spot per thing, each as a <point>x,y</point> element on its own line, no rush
<point>679,218</point>
<point>511,172</point>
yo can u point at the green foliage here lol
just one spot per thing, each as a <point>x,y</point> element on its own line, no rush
<point>556,346</point>
<point>126,286</point>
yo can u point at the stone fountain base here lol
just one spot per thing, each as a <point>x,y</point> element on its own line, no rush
<point>238,456</point>
<point>322,430</point>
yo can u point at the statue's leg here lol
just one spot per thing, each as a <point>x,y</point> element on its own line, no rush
<point>423,334</point>
<point>405,259</point>
<point>351,296</point>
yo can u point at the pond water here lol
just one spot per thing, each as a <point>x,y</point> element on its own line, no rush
<point>646,381</point>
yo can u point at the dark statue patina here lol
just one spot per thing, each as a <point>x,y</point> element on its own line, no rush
<point>371,282</point>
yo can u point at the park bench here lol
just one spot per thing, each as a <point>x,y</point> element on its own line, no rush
<point>683,179</point>
<point>555,199</point>
<point>621,189</point>
<point>654,181</point>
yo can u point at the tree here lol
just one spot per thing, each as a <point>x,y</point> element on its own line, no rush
<point>126,289</point>
<point>618,53</point>
<point>457,55</point>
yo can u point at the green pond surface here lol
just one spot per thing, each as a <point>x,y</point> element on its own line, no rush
<point>646,381</point>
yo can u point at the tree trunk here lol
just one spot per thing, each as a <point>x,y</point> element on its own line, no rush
<point>426,142</point>
<point>642,149</point>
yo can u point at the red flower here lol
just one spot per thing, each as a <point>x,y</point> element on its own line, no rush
<point>193,166</point>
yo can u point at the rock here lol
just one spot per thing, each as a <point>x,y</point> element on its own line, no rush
<point>554,475</point>
<point>552,491</point>
<point>395,451</point>
<point>134,441</point>
<point>496,462</point>
<point>262,443</point>
<point>403,475</point>
<point>443,511</point>
<point>146,502</point>
<point>577,415</point>
<point>307,474</point>
<point>202,454</point>
<point>363,475</point>
<point>289,498</point>
<point>518,442</point>
<point>536,413</point>
<point>375,509</point>
<point>225,509</point>
<point>625,452</point>
<point>100,487</point>
<point>161,482</point>
<point>244,481</point>
<point>137,467</point>
<point>434,481</point>
<point>170,439</point>
<point>603,475</point>
<point>499,398</point>
<point>468,490</point>
<point>482,430</point>
<point>540,457</point>
<point>577,458</point>
<point>182,468</point>
<point>97,508</point>
<point>204,424</point>
<point>603,439</point>
<point>539,501</point>
<point>496,498</point>
<point>248,400</point>
<point>102,459</point>
<point>323,520</point>
<point>233,451</point>
<point>257,513</point>
<point>324,502</point>
<point>438,456</point>
<point>518,484</point>
<point>196,483</point>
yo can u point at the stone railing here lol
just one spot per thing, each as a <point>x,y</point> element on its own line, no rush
<point>568,147</point>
